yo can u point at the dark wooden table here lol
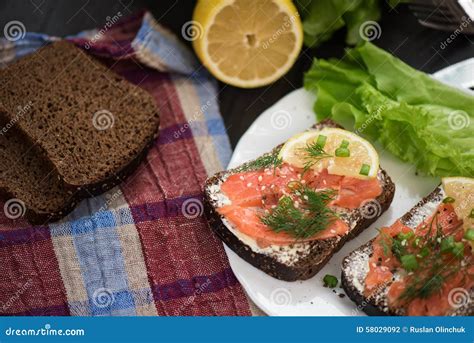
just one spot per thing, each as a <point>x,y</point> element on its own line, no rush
<point>401,34</point>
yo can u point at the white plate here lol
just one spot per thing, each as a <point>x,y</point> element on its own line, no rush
<point>291,115</point>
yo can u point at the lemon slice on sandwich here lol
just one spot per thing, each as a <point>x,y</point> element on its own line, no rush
<point>461,192</point>
<point>340,151</point>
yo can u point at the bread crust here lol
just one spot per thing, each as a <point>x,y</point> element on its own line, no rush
<point>376,305</point>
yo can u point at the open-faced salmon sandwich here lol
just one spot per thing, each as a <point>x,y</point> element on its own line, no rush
<point>423,264</point>
<point>290,210</point>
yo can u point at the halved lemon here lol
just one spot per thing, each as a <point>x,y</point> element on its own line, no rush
<point>461,190</point>
<point>247,43</point>
<point>340,151</point>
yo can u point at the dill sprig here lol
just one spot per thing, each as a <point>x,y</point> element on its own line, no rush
<point>265,161</point>
<point>304,220</point>
<point>385,242</point>
<point>313,153</point>
<point>423,286</point>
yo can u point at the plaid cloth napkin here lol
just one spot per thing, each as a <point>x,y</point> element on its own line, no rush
<point>143,248</point>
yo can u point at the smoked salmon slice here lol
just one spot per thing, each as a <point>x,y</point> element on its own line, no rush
<point>255,193</point>
<point>446,218</point>
<point>382,262</point>
<point>436,304</point>
<point>248,188</point>
<point>352,192</point>
<point>247,220</point>
<point>243,189</point>
<point>323,180</point>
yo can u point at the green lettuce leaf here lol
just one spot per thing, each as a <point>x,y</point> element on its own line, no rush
<point>415,117</point>
<point>321,18</point>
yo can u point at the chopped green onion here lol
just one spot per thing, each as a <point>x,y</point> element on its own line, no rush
<point>448,200</point>
<point>471,215</point>
<point>409,262</point>
<point>342,152</point>
<point>424,252</point>
<point>330,281</point>
<point>294,184</point>
<point>344,144</point>
<point>405,236</point>
<point>469,234</point>
<point>416,242</point>
<point>447,244</point>
<point>364,170</point>
<point>321,141</point>
<point>458,249</point>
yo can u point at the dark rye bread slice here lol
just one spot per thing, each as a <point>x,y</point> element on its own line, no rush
<point>29,183</point>
<point>299,261</point>
<point>356,265</point>
<point>89,122</point>
<point>31,186</point>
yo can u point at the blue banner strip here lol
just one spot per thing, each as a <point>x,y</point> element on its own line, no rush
<point>233,329</point>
